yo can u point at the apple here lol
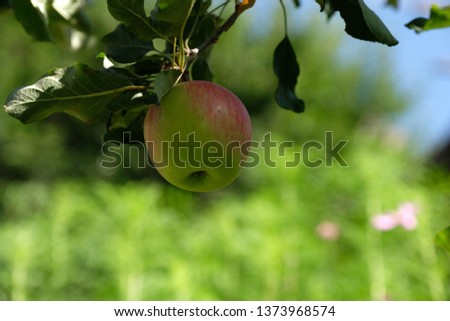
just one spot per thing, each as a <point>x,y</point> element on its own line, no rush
<point>196,137</point>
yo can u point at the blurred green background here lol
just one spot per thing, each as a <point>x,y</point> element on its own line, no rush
<point>71,230</point>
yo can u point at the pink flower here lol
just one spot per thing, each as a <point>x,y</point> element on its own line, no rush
<point>405,216</point>
<point>384,222</point>
<point>328,231</point>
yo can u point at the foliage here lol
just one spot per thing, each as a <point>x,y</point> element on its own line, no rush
<point>74,90</point>
<point>287,69</point>
<point>72,230</point>
<point>361,22</point>
<point>138,69</point>
<point>439,18</point>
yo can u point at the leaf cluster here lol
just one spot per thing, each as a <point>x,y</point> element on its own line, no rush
<point>151,50</point>
<point>136,71</point>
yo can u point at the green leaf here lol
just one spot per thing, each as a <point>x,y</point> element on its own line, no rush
<point>126,118</point>
<point>32,20</point>
<point>78,91</point>
<point>130,100</point>
<point>362,23</point>
<point>201,70</point>
<point>171,16</point>
<point>129,111</point>
<point>201,7</point>
<point>132,14</point>
<point>123,46</point>
<point>287,70</point>
<point>439,18</point>
<point>132,134</point>
<point>164,81</point>
<point>204,30</point>
<point>201,24</point>
<point>149,66</point>
<point>417,24</point>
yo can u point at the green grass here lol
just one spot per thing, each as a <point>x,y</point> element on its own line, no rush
<point>257,240</point>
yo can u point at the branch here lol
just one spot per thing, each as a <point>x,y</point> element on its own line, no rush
<point>241,6</point>
<point>215,37</point>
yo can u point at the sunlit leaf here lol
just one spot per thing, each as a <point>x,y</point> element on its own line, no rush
<point>78,91</point>
<point>287,70</point>
<point>132,14</point>
<point>439,18</point>
<point>171,15</point>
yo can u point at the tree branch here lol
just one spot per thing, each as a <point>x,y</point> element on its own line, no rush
<point>215,37</point>
<point>239,9</point>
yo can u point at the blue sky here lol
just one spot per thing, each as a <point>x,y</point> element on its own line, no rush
<point>423,68</point>
<point>421,64</point>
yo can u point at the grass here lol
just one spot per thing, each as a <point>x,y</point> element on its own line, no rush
<point>257,240</point>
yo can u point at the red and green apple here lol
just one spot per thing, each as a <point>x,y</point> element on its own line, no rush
<point>197,137</point>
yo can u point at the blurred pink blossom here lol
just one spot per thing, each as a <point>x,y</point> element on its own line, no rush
<point>328,231</point>
<point>405,216</point>
<point>384,222</point>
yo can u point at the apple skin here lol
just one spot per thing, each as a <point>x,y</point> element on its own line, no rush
<point>212,125</point>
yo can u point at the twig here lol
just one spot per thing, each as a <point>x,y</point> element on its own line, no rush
<point>194,53</point>
<point>215,37</point>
